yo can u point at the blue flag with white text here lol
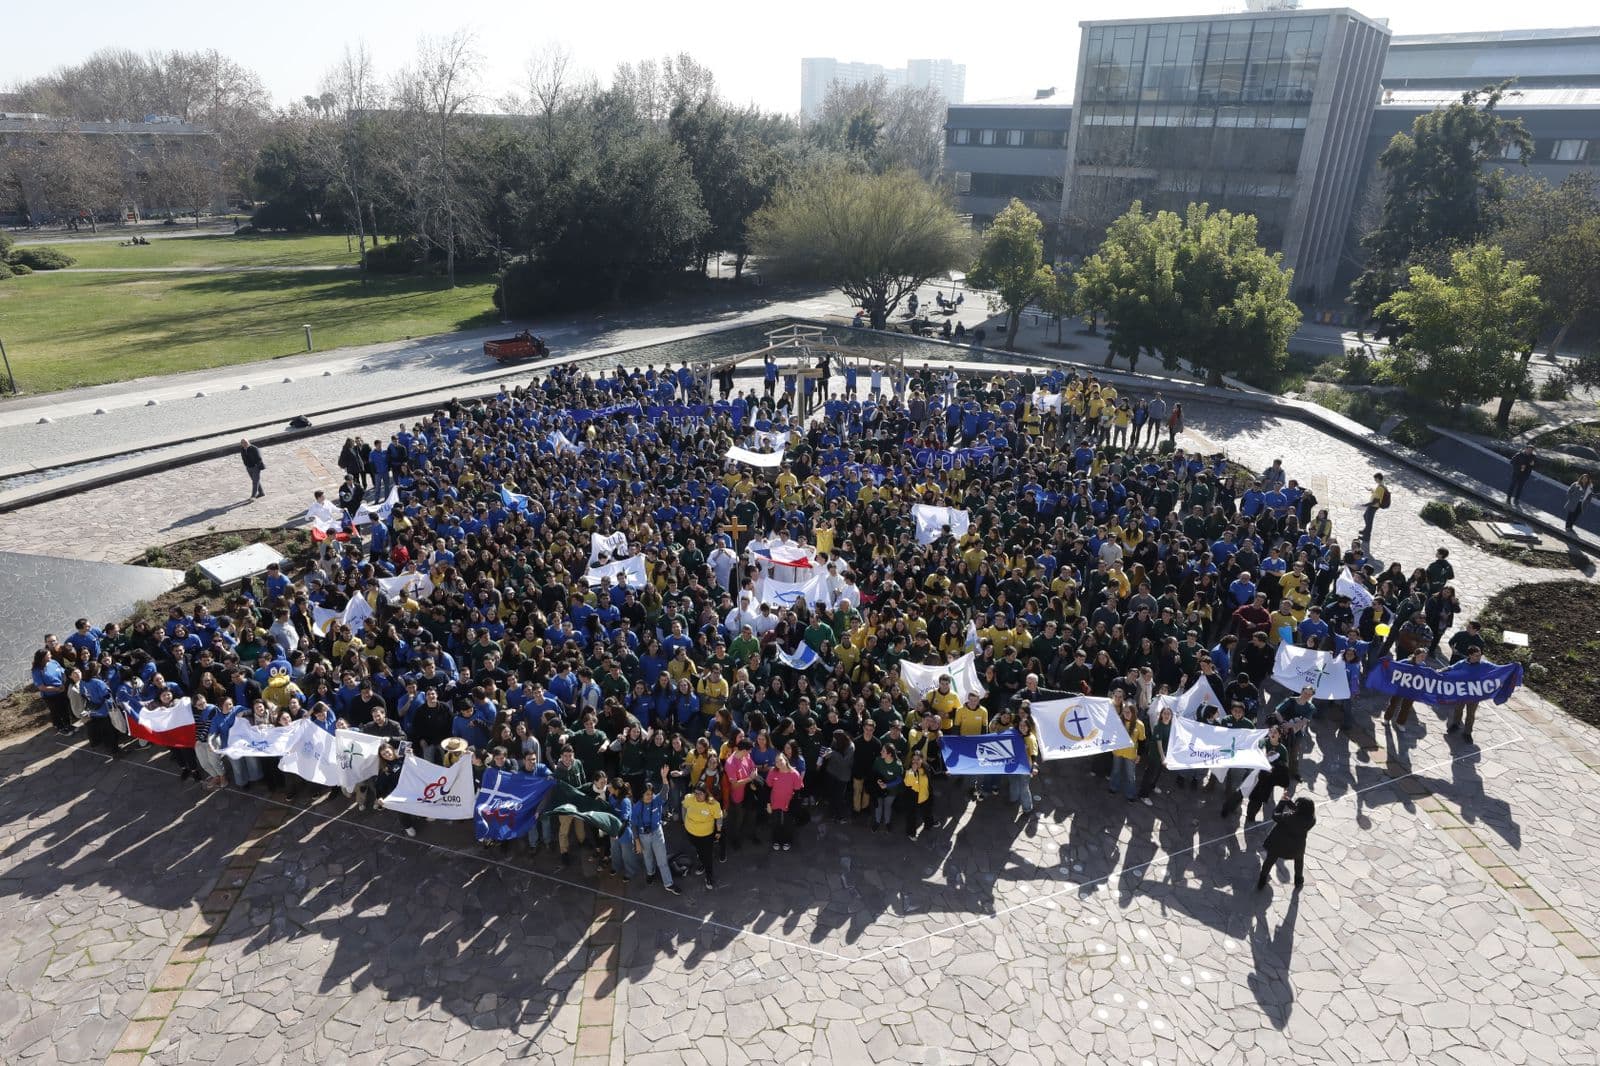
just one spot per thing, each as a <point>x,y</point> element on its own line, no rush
<point>1462,682</point>
<point>508,803</point>
<point>985,754</point>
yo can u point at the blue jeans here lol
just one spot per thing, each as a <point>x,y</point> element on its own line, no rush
<point>1122,770</point>
<point>624,860</point>
<point>1022,791</point>
<point>655,855</point>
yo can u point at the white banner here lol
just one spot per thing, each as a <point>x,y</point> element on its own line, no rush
<point>395,589</point>
<point>382,510</point>
<point>1047,401</point>
<point>772,440</point>
<point>1322,670</point>
<point>1360,598</point>
<point>246,741</point>
<point>932,520</point>
<point>1082,725</point>
<point>630,572</point>
<point>764,460</point>
<point>815,591</point>
<point>1197,746</point>
<point>616,546</point>
<point>345,758</point>
<point>354,615</point>
<point>429,790</point>
<point>920,680</point>
<point>1187,704</point>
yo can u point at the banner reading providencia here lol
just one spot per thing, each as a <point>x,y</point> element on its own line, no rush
<point>1082,725</point>
<point>1464,682</point>
<point>987,754</point>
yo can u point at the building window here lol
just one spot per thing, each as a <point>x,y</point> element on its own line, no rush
<point>1014,138</point>
<point>1572,151</point>
<point>960,136</point>
<point>963,180</point>
<point>986,137</point>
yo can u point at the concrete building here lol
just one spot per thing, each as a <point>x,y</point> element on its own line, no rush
<point>1264,112</point>
<point>817,73</point>
<point>1566,58</point>
<point>1016,147</point>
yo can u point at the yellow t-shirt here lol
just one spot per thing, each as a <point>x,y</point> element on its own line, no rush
<point>944,704</point>
<point>917,782</point>
<point>1136,734</point>
<point>970,721</point>
<point>1277,622</point>
<point>825,540</point>
<point>700,818</point>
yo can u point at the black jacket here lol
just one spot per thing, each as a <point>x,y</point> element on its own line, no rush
<point>1291,826</point>
<point>252,457</point>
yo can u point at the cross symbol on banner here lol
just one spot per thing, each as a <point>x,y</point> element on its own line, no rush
<point>1078,722</point>
<point>1230,751</point>
<point>490,793</point>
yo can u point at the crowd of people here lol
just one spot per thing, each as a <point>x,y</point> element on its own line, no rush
<point>1100,559</point>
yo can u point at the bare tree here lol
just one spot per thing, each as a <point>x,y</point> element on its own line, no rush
<point>434,98</point>
<point>69,176</point>
<point>344,143</point>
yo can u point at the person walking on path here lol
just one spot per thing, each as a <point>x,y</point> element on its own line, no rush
<point>1521,471</point>
<point>254,464</point>
<point>1375,503</point>
<point>1579,493</point>
<point>1292,823</point>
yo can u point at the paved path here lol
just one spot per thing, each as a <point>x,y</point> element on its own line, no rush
<point>200,269</point>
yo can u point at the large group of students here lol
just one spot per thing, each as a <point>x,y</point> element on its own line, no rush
<point>1101,558</point>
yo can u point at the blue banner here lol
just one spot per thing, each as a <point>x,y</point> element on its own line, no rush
<point>508,803</point>
<point>986,754</point>
<point>1464,682</point>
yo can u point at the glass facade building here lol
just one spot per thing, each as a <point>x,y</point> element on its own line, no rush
<point>1266,113</point>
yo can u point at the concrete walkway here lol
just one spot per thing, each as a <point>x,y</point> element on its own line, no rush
<point>198,270</point>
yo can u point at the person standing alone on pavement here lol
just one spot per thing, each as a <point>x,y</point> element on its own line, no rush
<point>1375,503</point>
<point>1521,471</point>
<point>1292,823</point>
<point>1579,493</point>
<point>254,464</point>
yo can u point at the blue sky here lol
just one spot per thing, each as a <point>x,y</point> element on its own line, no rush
<point>1009,46</point>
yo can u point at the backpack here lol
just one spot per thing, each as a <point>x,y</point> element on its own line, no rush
<point>1384,505</point>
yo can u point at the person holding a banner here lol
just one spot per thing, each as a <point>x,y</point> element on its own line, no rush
<point>1397,712</point>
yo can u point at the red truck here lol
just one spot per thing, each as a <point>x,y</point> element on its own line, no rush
<point>523,346</point>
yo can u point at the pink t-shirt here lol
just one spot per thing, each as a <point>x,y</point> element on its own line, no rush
<point>739,765</point>
<point>784,784</point>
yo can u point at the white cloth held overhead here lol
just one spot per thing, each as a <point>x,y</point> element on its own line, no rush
<point>919,680</point>
<point>815,591</point>
<point>1296,667</point>
<point>931,521</point>
<point>1360,598</point>
<point>616,546</point>
<point>762,460</point>
<point>630,572</point>
<point>1198,746</point>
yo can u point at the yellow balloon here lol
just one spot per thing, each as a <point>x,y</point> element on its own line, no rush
<point>1382,629</point>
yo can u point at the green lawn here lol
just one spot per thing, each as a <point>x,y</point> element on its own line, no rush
<point>88,329</point>
<point>215,250</point>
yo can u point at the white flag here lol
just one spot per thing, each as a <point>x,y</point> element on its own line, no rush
<point>932,520</point>
<point>1047,401</point>
<point>772,440</point>
<point>919,680</point>
<point>630,572</point>
<point>381,510</point>
<point>616,546</point>
<point>1082,725</point>
<point>246,741</point>
<point>815,591</point>
<point>1360,598</point>
<point>765,460</point>
<point>344,758</point>
<point>395,589</point>
<point>1197,746</point>
<point>320,617</point>
<point>1322,670</point>
<point>429,790</point>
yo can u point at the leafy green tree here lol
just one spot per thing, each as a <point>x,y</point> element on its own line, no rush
<point>1010,263</point>
<point>1461,334</point>
<point>1058,298</point>
<point>1197,287</point>
<point>876,236</point>
<point>1555,231</point>
<point>1438,193</point>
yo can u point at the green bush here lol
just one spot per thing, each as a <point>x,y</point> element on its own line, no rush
<point>1556,388</point>
<point>1468,512</point>
<point>1439,514</point>
<point>5,270</point>
<point>42,258</point>
<point>155,555</point>
<point>19,269</point>
<point>399,257</point>
<point>6,244</point>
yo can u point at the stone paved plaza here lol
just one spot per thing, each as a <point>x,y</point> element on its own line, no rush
<point>1448,915</point>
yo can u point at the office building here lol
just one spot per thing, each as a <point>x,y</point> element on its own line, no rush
<point>817,73</point>
<point>1554,58</point>
<point>999,149</point>
<point>1263,112</point>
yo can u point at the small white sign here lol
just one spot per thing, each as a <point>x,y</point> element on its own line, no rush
<point>1513,638</point>
<point>236,565</point>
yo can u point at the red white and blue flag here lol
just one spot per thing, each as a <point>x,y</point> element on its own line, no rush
<point>167,727</point>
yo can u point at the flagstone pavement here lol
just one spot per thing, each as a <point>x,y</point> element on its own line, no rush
<point>1447,917</point>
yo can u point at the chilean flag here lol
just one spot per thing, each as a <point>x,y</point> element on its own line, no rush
<point>782,557</point>
<point>167,727</point>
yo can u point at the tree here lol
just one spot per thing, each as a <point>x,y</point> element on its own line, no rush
<point>1438,193</point>
<point>1197,288</point>
<point>1555,232</point>
<point>1461,334</point>
<point>884,129</point>
<point>1057,298</point>
<point>1010,262</point>
<point>69,176</point>
<point>876,236</point>
<point>180,181</point>
<point>345,144</point>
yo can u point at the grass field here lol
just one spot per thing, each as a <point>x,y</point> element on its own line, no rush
<point>213,250</point>
<point>89,329</point>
